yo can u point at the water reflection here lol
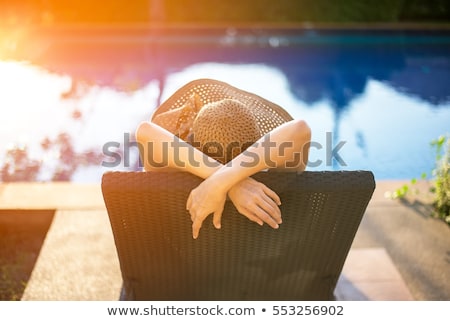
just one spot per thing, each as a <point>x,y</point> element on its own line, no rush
<point>20,166</point>
<point>53,128</point>
<point>111,82</point>
<point>318,64</point>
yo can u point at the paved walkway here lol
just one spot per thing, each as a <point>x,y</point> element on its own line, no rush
<point>418,244</point>
<point>399,253</point>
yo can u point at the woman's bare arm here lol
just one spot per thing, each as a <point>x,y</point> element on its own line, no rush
<point>161,150</point>
<point>285,147</point>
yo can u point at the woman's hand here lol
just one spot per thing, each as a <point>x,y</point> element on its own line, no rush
<point>252,199</point>
<point>257,202</point>
<point>206,198</point>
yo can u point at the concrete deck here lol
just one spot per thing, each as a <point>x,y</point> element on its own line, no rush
<point>399,252</point>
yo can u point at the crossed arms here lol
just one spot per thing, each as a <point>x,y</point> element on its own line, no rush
<point>286,147</point>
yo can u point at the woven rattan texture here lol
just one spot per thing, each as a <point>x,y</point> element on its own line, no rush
<point>302,260</point>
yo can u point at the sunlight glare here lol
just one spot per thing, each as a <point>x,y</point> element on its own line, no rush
<point>30,102</point>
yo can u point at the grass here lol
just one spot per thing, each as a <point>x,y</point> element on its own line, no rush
<point>22,234</point>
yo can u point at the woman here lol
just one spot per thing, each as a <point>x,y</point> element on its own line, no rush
<point>224,135</point>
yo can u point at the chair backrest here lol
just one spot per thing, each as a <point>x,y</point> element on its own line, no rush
<point>302,260</point>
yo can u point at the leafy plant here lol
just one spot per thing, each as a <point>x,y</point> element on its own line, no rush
<point>440,178</point>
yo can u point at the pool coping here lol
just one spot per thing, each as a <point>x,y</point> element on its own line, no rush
<point>248,25</point>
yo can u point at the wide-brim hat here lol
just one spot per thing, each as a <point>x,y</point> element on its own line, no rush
<point>228,115</point>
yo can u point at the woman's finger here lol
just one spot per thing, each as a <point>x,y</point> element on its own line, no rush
<point>272,194</point>
<point>189,202</point>
<point>217,218</point>
<point>263,215</point>
<point>252,217</point>
<point>262,201</point>
<point>196,226</point>
<point>269,206</point>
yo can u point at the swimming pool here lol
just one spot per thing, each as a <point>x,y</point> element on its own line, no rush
<point>374,99</point>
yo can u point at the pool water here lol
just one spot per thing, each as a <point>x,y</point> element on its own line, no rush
<point>374,99</point>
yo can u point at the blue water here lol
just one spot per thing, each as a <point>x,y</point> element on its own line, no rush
<point>374,100</point>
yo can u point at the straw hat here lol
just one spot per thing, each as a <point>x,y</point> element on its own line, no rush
<point>217,118</point>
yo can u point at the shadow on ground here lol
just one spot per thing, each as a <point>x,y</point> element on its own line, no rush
<point>22,233</point>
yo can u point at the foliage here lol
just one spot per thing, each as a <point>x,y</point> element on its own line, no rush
<point>49,12</point>
<point>440,178</point>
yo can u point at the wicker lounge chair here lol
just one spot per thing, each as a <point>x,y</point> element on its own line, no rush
<point>302,260</point>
